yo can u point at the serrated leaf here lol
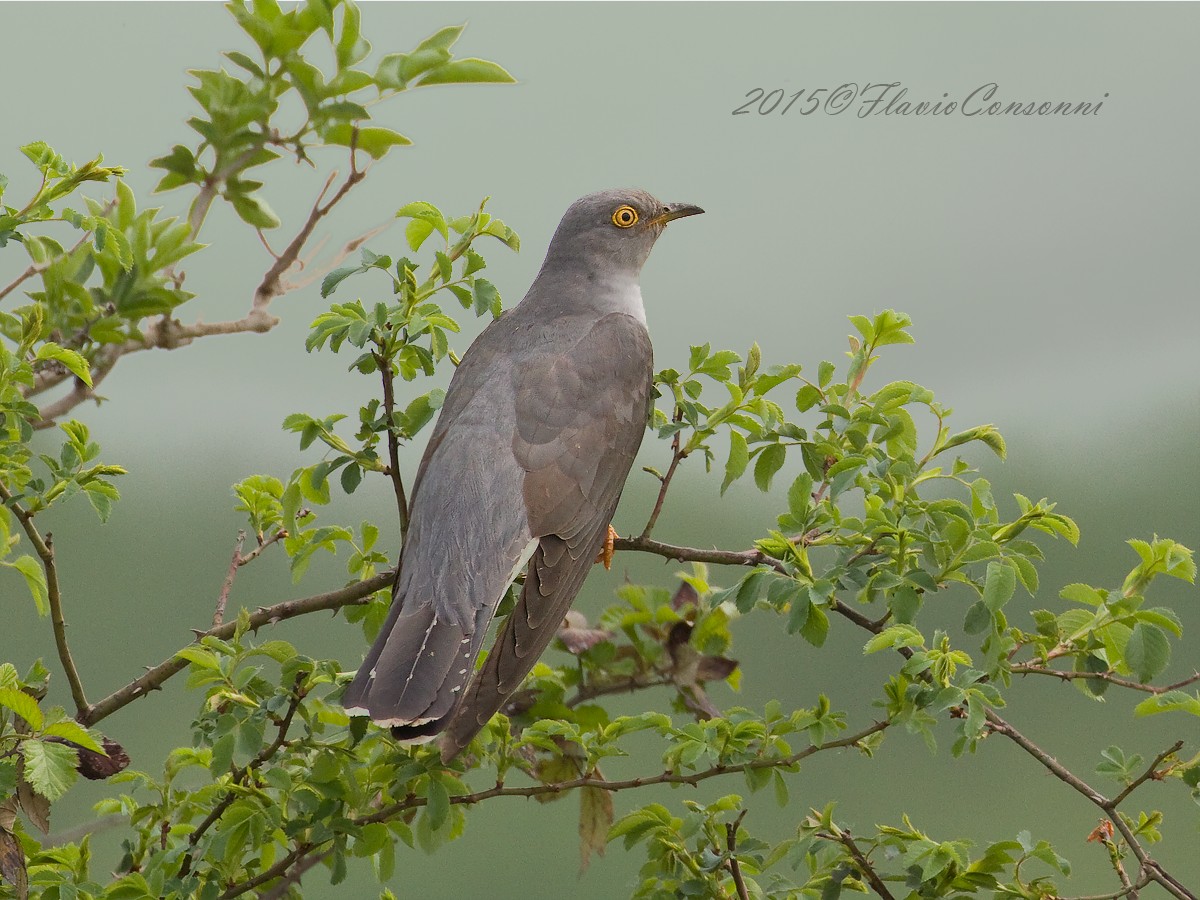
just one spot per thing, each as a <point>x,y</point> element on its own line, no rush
<point>49,767</point>
<point>1147,652</point>
<point>739,457</point>
<point>72,361</point>
<point>769,461</point>
<point>998,586</point>
<point>23,705</point>
<point>35,579</point>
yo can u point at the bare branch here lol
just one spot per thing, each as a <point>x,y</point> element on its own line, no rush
<point>735,868</point>
<point>263,544</point>
<point>677,456</point>
<point>153,679</point>
<point>45,552</point>
<point>1034,669</point>
<point>223,598</point>
<point>696,554</point>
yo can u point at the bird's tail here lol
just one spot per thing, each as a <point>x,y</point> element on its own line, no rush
<point>413,678</point>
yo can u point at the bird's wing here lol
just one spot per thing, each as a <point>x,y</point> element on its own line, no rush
<point>581,414</point>
<point>468,539</point>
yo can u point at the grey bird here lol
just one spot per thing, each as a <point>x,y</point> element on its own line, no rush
<point>524,468</point>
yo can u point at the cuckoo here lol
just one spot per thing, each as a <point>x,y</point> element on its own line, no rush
<point>524,467</point>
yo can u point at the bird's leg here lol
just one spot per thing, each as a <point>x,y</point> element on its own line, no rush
<point>606,549</point>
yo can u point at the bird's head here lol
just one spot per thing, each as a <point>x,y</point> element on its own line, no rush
<point>616,226</point>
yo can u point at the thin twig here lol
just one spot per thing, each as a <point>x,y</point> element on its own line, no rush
<point>154,678</point>
<point>239,775</point>
<point>1034,669</point>
<point>735,868</point>
<point>45,551</point>
<point>677,456</point>
<point>280,890</point>
<point>1151,772</point>
<point>276,871</point>
<point>393,442</point>
<point>844,838</point>
<point>1124,892</point>
<point>263,544</point>
<point>223,598</point>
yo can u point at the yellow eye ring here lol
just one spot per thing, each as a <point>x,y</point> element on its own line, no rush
<point>625,217</point>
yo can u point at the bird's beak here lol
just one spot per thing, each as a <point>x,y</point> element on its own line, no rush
<point>673,211</point>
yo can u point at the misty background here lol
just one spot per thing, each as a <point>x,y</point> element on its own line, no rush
<point>1048,265</point>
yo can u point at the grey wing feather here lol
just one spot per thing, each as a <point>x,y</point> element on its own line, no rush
<point>581,416</point>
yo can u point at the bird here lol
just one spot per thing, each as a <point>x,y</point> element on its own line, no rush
<point>523,471</point>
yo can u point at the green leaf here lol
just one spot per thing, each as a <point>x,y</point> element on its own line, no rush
<point>438,804</point>
<point>74,362</point>
<point>999,585</point>
<point>23,705</point>
<point>1171,700</point>
<point>378,141</point>
<point>49,767</point>
<point>75,733</point>
<point>253,210</point>
<point>769,461</point>
<point>1147,651</point>
<point>35,578</point>
<point>467,71</point>
<point>739,457</point>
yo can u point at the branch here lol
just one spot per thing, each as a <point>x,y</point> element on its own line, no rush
<point>279,869</point>
<point>302,851</point>
<point>223,598</point>
<point>168,334</point>
<point>667,777</point>
<point>1151,772</point>
<point>864,866</point>
<point>735,868</point>
<point>393,442</point>
<point>240,774</point>
<point>677,456</point>
<point>278,891</point>
<point>1034,669</point>
<point>695,554</point>
<point>45,551</point>
<point>154,679</point>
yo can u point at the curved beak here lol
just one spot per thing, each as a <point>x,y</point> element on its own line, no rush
<point>673,211</point>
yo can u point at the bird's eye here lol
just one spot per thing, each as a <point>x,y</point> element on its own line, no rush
<point>625,217</point>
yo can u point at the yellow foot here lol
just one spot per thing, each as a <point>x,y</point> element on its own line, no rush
<point>606,549</point>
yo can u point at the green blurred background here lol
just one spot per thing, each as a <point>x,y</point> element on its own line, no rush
<point>1048,264</point>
